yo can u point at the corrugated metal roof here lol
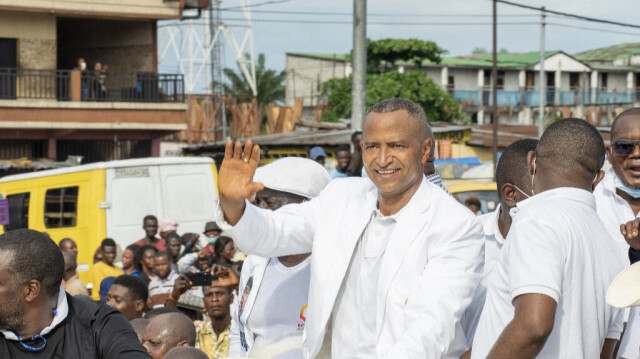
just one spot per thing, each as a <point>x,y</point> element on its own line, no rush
<point>610,53</point>
<point>337,57</point>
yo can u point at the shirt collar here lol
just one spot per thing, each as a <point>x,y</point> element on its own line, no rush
<point>491,227</point>
<point>61,312</point>
<point>608,182</point>
<point>572,193</point>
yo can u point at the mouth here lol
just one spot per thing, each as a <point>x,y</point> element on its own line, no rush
<point>634,170</point>
<point>386,173</point>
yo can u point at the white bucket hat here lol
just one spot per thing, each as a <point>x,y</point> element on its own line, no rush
<point>624,290</point>
<point>300,176</point>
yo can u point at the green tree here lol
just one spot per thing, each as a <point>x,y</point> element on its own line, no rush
<point>269,83</point>
<point>383,54</point>
<point>413,85</point>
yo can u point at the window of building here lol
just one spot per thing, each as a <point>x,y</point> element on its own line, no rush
<point>529,81</point>
<point>604,80</point>
<point>61,207</point>
<point>574,80</point>
<point>551,79</point>
<point>451,82</point>
<point>500,85</point>
<point>18,211</point>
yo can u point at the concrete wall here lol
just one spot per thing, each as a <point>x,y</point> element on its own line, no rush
<point>151,9</point>
<point>465,79</point>
<point>36,38</point>
<point>305,74</point>
<point>511,81</point>
<point>618,81</point>
<point>126,46</point>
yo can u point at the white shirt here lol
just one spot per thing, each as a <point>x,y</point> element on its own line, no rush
<point>278,310</point>
<point>492,246</point>
<point>555,247</point>
<point>354,331</point>
<point>613,210</point>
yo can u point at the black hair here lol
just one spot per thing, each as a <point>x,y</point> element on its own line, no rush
<point>147,247</point>
<point>108,242</point>
<point>33,255</point>
<point>137,255</point>
<point>396,104</point>
<point>137,288</point>
<point>513,167</point>
<point>221,242</point>
<point>344,148</point>
<point>573,147</point>
<point>160,254</point>
<point>173,235</point>
<point>355,134</point>
<point>149,217</point>
<point>634,111</point>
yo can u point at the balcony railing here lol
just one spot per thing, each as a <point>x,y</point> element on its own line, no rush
<point>516,98</point>
<point>73,85</point>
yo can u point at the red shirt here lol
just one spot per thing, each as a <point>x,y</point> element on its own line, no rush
<point>160,243</point>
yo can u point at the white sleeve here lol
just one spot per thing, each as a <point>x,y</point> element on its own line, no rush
<point>617,323</point>
<point>472,314</point>
<point>286,231</point>
<point>537,255</point>
<point>442,292</point>
<point>187,261</point>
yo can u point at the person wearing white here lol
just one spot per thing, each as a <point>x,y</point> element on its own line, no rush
<point>513,182</point>
<point>395,261</point>
<point>546,294</point>
<point>618,202</point>
<point>270,315</point>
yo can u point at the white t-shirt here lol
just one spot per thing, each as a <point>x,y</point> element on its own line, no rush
<point>613,210</point>
<point>555,248</point>
<point>278,311</point>
<point>493,242</point>
<point>354,315</point>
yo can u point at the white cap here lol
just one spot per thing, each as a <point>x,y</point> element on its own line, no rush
<point>624,290</point>
<point>296,175</point>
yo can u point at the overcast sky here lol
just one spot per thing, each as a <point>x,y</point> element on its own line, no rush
<point>462,26</point>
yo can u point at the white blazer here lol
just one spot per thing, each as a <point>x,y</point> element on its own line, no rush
<point>431,267</point>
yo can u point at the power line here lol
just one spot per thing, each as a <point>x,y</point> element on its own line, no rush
<point>382,22</point>
<point>327,13</point>
<point>271,2</point>
<point>585,18</point>
<point>593,29</point>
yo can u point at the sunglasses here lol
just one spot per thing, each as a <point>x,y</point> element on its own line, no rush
<point>625,147</point>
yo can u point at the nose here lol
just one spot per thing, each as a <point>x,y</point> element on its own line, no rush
<point>384,157</point>
<point>636,151</point>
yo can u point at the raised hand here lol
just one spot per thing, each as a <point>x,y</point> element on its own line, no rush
<point>631,233</point>
<point>235,180</point>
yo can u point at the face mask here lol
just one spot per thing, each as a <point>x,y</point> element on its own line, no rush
<point>521,191</point>
<point>83,65</point>
<point>212,240</point>
<point>633,192</point>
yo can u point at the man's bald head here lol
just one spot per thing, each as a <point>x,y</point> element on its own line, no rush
<point>185,353</point>
<point>413,109</point>
<point>167,331</point>
<point>572,148</point>
<point>627,114</point>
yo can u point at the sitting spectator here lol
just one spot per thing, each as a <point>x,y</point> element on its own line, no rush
<point>185,353</point>
<point>147,257</point>
<point>70,280</point>
<point>39,320</point>
<point>128,294</point>
<point>343,155</point>
<point>150,226</point>
<point>168,331</point>
<point>105,268</point>
<point>139,325</point>
<point>166,226</point>
<point>174,244</point>
<point>212,333</point>
<point>131,260</point>
<point>160,288</point>
<point>68,245</point>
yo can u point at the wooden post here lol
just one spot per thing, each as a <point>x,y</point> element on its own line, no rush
<point>76,85</point>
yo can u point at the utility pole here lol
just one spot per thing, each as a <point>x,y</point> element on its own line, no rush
<point>543,92</point>
<point>359,63</point>
<point>494,87</point>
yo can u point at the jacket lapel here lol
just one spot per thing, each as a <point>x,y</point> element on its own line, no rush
<point>409,223</point>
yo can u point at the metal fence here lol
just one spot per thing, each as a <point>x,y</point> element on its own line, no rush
<point>116,87</point>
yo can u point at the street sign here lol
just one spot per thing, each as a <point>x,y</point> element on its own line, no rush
<point>4,211</point>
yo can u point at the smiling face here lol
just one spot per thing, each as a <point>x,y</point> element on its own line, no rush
<point>343,158</point>
<point>627,168</point>
<point>394,153</point>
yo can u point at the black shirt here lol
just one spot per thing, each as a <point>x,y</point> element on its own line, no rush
<point>53,349</point>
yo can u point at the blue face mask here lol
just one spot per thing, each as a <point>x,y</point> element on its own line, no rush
<point>633,192</point>
<point>212,240</point>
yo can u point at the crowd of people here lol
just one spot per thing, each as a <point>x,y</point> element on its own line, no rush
<point>93,83</point>
<point>387,266</point>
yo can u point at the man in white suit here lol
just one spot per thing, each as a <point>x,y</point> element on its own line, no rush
<point>395,260</point>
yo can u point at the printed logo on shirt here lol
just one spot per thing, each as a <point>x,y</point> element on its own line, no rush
<point>302,317</point>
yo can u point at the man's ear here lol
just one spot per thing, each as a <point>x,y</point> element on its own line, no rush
<point>31,290</point>
<point>599,178</point>
<point>426,150</point>
<point>508,193</point>
<point>531,157</point>
<point>182,343</point>
<point>608,149</point>
<point>139,305</point>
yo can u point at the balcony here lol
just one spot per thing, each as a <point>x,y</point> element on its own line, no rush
<point>87,86</point>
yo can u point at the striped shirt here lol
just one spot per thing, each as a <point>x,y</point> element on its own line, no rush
<point>160,289</point>
<point>436,180</point>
